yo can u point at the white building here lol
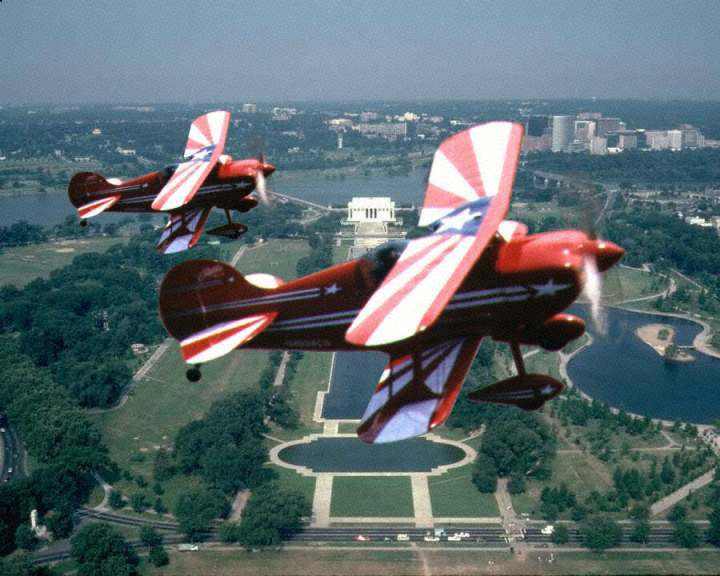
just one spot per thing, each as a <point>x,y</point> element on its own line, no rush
<point>675,139</point>
<point>249,108</point>
<point>657,139</point>
<point>563,132</point>
<point>363,210</point>
<point>598,146</point>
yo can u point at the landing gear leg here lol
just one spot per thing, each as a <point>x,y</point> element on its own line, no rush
<point>517,357</point>
<point>193,374</point>
<point>231,224</point>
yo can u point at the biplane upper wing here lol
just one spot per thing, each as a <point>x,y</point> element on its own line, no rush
<point>205,144</point>
<point>417,391</point>
<point>183,230</point>
<point>467,198</point>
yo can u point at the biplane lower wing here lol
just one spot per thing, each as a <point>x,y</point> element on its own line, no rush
<point>183,230</point>
<point>417,391</point>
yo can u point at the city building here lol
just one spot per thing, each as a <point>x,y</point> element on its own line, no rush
<point>589,115</point>
<point>627,140</point>
<point>537,126</point>
<point>366,209</point>
<point>389,131</point>
<point>563,131</point>
<point>657,139</point>
<point>368,116</point>
<point>674,139</point>
<point>691,137</point>
<point>249,108</point>
<point>584,130</point>
<point>606,125</point>
<point>374,223</point>
<point>598,146</point>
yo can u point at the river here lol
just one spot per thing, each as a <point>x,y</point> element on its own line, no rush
<point>53,208</point>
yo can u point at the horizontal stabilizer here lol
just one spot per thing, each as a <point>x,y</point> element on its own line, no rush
<point>528,391</point>
<point>218,340</point>
<point>94,208</point>
<point>417,391</point>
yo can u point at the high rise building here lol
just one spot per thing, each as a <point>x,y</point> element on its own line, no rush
<point>249,108</point>
<point>584,130</point>
<point>589,115</point>
<point>627,140</point>
<point>537,125</point>
<point>563,131</point>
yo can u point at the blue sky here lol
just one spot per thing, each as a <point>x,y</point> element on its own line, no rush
<point>130,51</point>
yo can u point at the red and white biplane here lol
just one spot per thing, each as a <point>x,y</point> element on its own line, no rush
<point>427,303</point>
<point>187,191</point>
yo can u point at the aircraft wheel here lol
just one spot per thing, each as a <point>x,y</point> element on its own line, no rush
<point>83,223</point>
<point>193,374</point>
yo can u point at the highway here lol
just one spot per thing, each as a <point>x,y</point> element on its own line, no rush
<point>12,461</point>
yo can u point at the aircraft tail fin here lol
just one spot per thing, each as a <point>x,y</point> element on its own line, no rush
<point>211,309</point>
<point>91,193</point>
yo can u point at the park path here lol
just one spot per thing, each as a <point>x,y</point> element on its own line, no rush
<point>321,501</point>
<point>422,505</point>
<point>280,375</point>
<point>670,500</point>
<point>512,524</point>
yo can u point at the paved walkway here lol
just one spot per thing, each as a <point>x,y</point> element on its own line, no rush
<point>670,500</point>
<point>513,525</point>
<point>238,505</point>
<point>321,501</point>
<point>280,374</point>
<point>421,501</point>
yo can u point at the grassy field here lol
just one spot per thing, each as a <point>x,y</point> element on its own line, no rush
<point>23,264</point>
<point>454,494</point>
<point>277,257</point>
<point>372,496</point>
<point>426,560</point>
<point>312,376</point>
<point>291,480</point>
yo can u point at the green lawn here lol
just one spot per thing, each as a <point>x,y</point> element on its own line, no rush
<point>454,494</point>
<point>291,480</point>
<point>372,496</point>
<point>165,401</point>
<point>277,257</point>
<point>23,264</point>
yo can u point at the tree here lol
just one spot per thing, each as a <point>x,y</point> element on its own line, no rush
<point>686,534</point>
<point>25,537</point>
<point>196,509</point>
<point>158,556</point>
<point>667,472</point>
<point>116,500</point>
<point>600,533</point>
<point>270,512</point>
<point>678,513</point>
<point>561,535</point>
<point>159,506</point>
<point>150,537</point>
<point>516,485</point>
<point>229,532</point>
<point>640,532</point>
<point>484,474</point>
<point>713,531</point>
<point>100,549</point>
<point>138,501</point>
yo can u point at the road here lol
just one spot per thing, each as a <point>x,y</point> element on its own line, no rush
<point>13,465</point>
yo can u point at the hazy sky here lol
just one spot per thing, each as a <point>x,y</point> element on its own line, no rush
<point>205,50</point>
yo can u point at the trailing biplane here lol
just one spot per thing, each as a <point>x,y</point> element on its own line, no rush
<point>426,302</point>
<point>187,191</point>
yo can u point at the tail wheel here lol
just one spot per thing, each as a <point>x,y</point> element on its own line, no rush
<point>193,374</point>
<point>83,222</point>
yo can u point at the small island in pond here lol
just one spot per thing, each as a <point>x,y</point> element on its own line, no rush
<point>661,338</point>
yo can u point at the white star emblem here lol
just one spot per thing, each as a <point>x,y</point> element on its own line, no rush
<point>332,289</point>
<point>457,222</point>
<point>548,289</point>
<point>547,390</point>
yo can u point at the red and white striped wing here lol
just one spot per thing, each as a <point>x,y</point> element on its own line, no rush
<point>94,208</point>
<point>417,391</point>
<point>220,339</point>
<point>183,230</point>
<point>205,144</point>
<point>470,165</point>
<point>431,269</point>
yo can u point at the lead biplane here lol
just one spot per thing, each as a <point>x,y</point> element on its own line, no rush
<point>427,303</point>
<point>187,191</point>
